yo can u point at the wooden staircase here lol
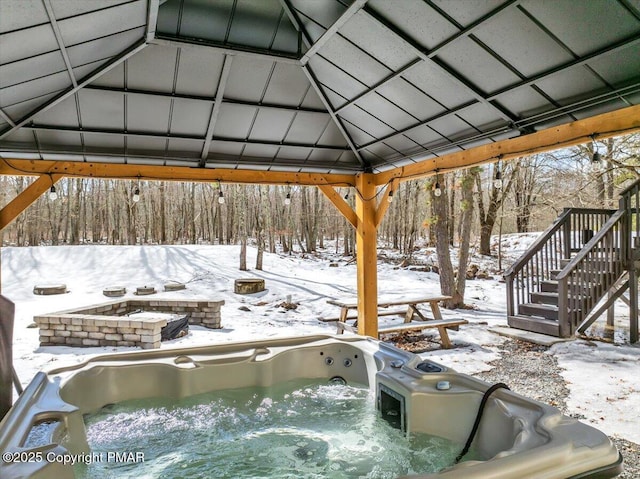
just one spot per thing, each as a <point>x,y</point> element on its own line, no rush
<point>586,256</point>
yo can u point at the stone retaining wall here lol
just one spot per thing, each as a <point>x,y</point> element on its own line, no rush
<point>105,324</point>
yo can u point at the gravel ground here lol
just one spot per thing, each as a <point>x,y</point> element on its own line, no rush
<point>528,370</point>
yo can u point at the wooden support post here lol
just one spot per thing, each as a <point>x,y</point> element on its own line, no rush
<point>633,307</point>
<point>21,202</point>
<point>366,251</point>
<point>7,311</point>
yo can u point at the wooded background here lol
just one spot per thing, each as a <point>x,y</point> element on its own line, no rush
<point>521,195</point>
<point>534,191</point>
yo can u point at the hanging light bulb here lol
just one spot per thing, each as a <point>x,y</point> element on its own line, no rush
<point>596,157</point>
<point>390,197</point>
<point>346,197</point>
<point>136,195</point>
<point>287,199</point>
<point>220,198</point>
<point>437,191</point>
<point>53,195</point>
<point>497,183</point>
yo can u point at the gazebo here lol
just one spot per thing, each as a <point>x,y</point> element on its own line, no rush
<point>326,93</point>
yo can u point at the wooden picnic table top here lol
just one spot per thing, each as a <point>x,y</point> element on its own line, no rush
<point>386,304</point>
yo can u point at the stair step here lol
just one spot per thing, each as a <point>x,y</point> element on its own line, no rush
<point>544,297</point>
<point>536,325</point>
<point>547,311</point>
<point>549,286</point>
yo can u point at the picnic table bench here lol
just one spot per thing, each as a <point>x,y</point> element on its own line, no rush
<point>409,313</point>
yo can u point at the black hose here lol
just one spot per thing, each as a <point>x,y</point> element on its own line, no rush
<point>476,424</point>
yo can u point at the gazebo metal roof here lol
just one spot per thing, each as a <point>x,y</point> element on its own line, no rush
<point>313,86</point>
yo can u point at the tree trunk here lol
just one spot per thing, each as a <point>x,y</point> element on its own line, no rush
<point>243,253</point>
<point>488,216</point>
<point>75,215</point>
<point>441,220</point>
<point>131,218</point>
<point>242,220</point>
<point>163,214</point>
<point>259,229</point>
<point>450,181</point>
<point>466,205</point>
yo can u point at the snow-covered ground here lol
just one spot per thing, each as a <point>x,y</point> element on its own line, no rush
<point>603,379</point>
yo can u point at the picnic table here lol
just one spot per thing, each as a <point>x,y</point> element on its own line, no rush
<point>410,311</point>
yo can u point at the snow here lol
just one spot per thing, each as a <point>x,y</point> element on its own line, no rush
<point>603,378</point>
<point>604,385</point>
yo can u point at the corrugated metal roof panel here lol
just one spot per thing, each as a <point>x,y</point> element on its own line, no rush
<point>190,117</point>
<point>23,14</point>
<point>401,77</point>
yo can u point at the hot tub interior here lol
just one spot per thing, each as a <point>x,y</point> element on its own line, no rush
<point>333,407</point>
<point>300,428</point>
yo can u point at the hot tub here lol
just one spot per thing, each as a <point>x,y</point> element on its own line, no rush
<point>516,438</point>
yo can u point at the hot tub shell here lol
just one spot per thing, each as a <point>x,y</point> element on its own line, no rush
<point>517,437</point>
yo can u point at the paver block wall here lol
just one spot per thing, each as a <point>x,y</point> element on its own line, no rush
<point>106,324</point>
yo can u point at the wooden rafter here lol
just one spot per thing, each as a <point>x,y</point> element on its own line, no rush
<point>29,195</point>
<point>343,207</point>
<point>384,203</point>
<point>623,121</point>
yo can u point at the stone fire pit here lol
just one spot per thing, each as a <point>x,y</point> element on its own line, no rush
<point>107,324</point>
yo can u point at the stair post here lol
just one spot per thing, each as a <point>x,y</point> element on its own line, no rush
<point>565,329</point>
<point>510,301</point>
<point>633,307</point>
<point>629,255</point>
<point>566,230</point>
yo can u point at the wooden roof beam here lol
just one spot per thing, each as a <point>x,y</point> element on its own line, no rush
<point>606,125</point>
<point>79,169</point>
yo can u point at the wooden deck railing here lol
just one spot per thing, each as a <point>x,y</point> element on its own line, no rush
<point>573,229</point>
<point>630,202</point>
<point>587,278</point>
<point>607,243</point>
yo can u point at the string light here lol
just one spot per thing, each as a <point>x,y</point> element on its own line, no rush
<point>221,198</point>
<point>53,195</point>
<point>497,183</point>
<point>287,199</point>
<point>390,197</point>
<point>437,190</point>
<point>596,154</point>
<point>136,194</point>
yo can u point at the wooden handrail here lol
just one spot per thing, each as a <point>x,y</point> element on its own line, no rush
<point>633,185</point>
<point>597,238</point>
<point>544,237</point>
<point>538,243</point>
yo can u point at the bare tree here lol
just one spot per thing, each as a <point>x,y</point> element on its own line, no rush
<point>488,213</point>
<point>466,206</point>
<point>441,222</point>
